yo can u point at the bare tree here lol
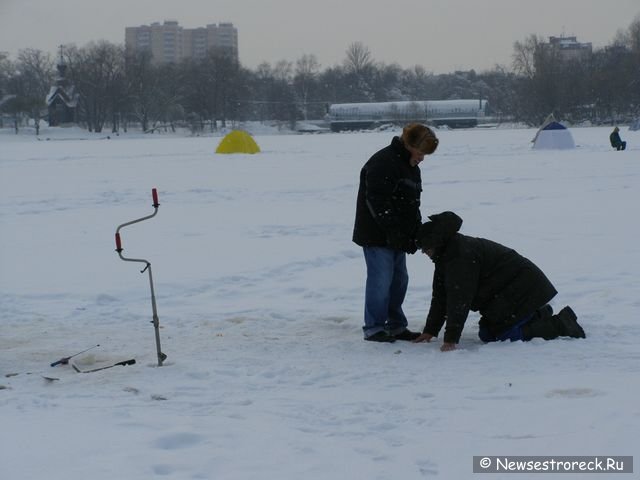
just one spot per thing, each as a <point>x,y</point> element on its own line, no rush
<point>634,45</point>
<point>305,80</point>
<point>141,87</point>
<point>358,58</point>
<point>417,83</point>
<point>524,56</point>
<point>195,86</point>
<point>281,94</point>
<point>7,72</point>
<point>33,79</point>
<point>227,86</point>
<point>384,82</point>
<point>500,92</point>
<point>97,70</point>
<point>169,99</point>
<point>539,66</point>
<point>359,68</point>
<point>611,82</point>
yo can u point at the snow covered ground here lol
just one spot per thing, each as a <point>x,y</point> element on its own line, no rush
<point>260,294</point>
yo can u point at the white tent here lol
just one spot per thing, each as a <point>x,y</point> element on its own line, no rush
<point>554,135</point>
<point>635,125</point>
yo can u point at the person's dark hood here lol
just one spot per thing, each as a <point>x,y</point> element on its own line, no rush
<point>438,231</point>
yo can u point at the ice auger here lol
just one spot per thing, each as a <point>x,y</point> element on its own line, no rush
<point>119,249</point>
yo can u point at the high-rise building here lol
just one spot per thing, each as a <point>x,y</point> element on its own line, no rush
<point>568,48</point>
<point>170,43</point>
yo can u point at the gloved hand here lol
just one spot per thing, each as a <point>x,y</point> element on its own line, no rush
<point>401,241</point>
<point>412,247</point>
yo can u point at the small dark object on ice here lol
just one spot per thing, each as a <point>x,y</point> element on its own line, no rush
<point>65,360</point>
<point>131,361</point>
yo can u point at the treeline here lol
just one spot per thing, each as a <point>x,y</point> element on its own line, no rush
<point>117,89</point>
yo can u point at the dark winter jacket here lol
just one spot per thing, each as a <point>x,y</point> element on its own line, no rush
<point>615,139</point>
<point>388,205</point>
<point>479,275</point>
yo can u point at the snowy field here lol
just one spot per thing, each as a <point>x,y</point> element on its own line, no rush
<point>260,298</point>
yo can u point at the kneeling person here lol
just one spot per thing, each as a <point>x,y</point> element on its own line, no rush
<point>510,292</point>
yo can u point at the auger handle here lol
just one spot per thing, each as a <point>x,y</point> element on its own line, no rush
<point>156,204</point>
<point>118,243</point>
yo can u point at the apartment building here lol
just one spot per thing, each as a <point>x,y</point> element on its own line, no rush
<point>569,48</point>
<point>171,43</point>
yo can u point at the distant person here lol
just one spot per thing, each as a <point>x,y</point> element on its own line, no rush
<point>386,223</point>
<point>510,292</point>
<point>616,141</point>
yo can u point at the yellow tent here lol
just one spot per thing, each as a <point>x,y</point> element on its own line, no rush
<point>238,141</point>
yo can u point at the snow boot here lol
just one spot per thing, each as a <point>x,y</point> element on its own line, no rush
<point>544,325</point>
<point>541,327</point>
<point>544,311</point>
<point>568,322</point>
<point>406,335</point>
<point>380,337</point>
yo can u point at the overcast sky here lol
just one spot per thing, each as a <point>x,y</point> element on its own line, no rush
<point>441,35</point>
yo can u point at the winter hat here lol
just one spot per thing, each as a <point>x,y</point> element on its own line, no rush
<point>438,231</point>
<point>420,137</point>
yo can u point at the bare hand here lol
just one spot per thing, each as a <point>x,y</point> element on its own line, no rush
<point>425,337</point>
<point>447,347</point>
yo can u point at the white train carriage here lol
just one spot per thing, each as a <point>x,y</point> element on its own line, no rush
<point>453,113</point>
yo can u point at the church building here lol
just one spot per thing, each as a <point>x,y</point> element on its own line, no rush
<point>62,100</point>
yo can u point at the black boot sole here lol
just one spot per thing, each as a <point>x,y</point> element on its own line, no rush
<point>380,337</point>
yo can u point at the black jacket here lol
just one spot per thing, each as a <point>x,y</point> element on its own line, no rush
<point>615,139</point>
<point>388,205</point>
<point>481,275</point>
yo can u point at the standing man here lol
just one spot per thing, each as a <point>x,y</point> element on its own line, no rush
<point>387,220</point>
